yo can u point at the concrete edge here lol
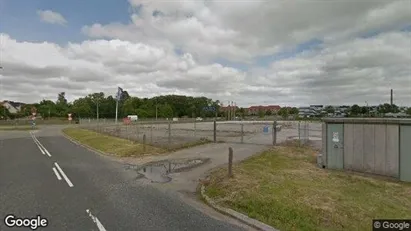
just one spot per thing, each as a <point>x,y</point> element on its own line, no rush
<point>86,146</point>
<point>236,215</point>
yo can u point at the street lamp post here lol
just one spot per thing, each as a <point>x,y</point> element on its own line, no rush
<point>1,88</point>
<point>368,109</point>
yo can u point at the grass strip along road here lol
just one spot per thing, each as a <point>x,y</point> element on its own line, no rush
<point>284,188</point>
<point>16,128</point>
<point>111,145</point>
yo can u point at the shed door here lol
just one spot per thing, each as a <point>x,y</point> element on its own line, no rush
<point>335,146</point>
<point>405,153</point>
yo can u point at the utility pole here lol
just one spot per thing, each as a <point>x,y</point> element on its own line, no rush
<point>97,111</point>
<point>368,109</point>
<point>228,111</point>
<point>116,110</point>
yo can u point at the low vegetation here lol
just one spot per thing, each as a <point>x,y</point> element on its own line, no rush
<point>111,145</point>
<point>283,188</point>
<point>16,128</point>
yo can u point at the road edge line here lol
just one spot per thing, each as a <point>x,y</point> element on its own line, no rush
<point>68,181</point>
<point>35,141</point>
<point>96,221</point>
<point>45,149</point>
<point>234,214</point>
<point>57,173</point>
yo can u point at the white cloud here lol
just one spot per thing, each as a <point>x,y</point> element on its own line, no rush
<point>51,17</point>
<point>242,30</point>
<point>141,56</point>
<point>351,72</point>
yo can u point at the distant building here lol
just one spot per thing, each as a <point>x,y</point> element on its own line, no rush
<point>228,108</point>
<point>307,112</point>
<point>11,106</point>
<point>254,110</point>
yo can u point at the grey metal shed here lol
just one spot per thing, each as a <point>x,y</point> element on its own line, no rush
<point>371,145</point>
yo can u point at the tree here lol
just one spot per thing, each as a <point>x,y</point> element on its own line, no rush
<point>61,98</point>
<point>4,113</point>
<point>355,110</point>
<point>283,112</point>
<point>409,111</point>
<point>166,111</point>
<point>294,111</point>
<point>387,108</point>
<point>329,109</point>
<point>364,110</point>
<point>261,113</point>
<point>268,113</point>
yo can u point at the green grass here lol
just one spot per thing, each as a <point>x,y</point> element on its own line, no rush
<point>283,188</point>
<point>17,128</point>
<point>111,145</point>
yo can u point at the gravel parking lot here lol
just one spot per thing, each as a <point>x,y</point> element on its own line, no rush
<point>182,134</point>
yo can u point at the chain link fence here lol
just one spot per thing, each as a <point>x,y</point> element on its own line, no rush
<point>177,134</point>
<point>305,132</point>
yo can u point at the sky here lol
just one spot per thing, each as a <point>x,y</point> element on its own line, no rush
<point>288,53</point>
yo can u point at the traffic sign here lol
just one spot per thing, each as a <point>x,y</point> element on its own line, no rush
<point>209,108</point>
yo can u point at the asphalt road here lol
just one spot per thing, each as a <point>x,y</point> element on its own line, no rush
<point>75,189</point>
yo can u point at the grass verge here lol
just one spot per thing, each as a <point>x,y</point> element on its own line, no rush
<point>283,188</point>
<point>109,144</point>
<point>17,128</point>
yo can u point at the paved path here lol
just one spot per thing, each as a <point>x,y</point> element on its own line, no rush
<point>187,181</point>
<point>76,189</point>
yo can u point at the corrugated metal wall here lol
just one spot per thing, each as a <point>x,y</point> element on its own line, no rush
<point>372,148</point>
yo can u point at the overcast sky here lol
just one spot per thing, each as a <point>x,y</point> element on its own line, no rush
<point>252,52</point>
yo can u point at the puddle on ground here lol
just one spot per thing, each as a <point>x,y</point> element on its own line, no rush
<point>158,172</point>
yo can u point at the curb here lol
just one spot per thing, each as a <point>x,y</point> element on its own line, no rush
<point>85,146</point>
<point>239,216</point>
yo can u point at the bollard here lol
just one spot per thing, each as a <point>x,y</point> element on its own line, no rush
<point>230,162</point>
<point>215,131</point>
<point>242,133</point>
<point>144,142</point>
<point>274,132</point>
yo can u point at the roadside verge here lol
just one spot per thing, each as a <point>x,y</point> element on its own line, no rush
<point>109,145</point>
<point>284,188</point>
<point>232,213</point>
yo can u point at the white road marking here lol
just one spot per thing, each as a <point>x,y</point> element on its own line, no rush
<point>64,175</point>
<point>57,173</point>
<point>45,150</point>
<point>96,221</point>
<point>39,145</point>
<point>41,150</point>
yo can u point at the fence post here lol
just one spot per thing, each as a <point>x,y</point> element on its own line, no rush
<point>215,131</point>
<point>169,132</point>
<point>230,162</point>
<point>242,133</point>
<point>195,128</point>
<point>144,142</point>
<point>299,133</point>
<point>151,133</point>
<point>274,132</point>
